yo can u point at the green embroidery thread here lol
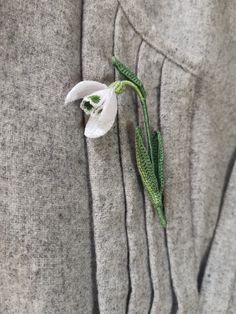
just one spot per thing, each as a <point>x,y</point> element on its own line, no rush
<point>95,98</point>
<point>155,152</point>
<point>150,160</point>
<point>147,173</point>
<point>87,105</point>
<point>160,175</point>
<point>158,151</point>
<point>129,75</point>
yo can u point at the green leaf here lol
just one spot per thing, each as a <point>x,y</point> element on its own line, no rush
<point>155,152</point>
<point>158,153</point>
<point>129,75</point>
<point>147,173</point>
<point>161,176</point>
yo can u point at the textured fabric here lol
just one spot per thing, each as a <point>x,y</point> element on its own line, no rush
<point>45,253</point>
<point>77,233</point>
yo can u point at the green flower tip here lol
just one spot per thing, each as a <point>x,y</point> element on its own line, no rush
<point>95,98</point>
<point>90,102</point>
<point>87,105</point>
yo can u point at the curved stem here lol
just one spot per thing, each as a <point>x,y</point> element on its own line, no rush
<point>145,115</point>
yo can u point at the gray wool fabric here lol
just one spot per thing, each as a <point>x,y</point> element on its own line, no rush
<point>78,234</point>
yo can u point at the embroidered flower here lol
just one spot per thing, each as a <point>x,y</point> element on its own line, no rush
<point>99,102</point>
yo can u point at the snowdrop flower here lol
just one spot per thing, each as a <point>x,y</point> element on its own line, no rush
<point>99,102</point>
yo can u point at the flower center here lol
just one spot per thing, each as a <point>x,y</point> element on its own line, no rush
<point>90,104</point>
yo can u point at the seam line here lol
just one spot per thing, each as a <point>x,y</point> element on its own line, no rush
<point>158,50</point>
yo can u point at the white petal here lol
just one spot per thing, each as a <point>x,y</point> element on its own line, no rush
<point>83,89</point>
<point>99,125</point>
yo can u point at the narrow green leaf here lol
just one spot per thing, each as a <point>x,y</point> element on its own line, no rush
<point>158,152</point>
<point>155,152</point>
<point>144,163</point>
<point>161,161</point>
<point>128,74</point>
<point>161,177</point>
<point>147,173</point>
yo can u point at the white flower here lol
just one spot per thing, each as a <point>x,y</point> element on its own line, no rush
<point>99,102</point>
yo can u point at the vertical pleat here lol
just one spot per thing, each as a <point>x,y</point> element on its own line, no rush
<point>213,132</point>
<point>149,70</point>
<point>218,282</point>
<point>126,44</point>
<point>107,190</point>
<point>175,106</point>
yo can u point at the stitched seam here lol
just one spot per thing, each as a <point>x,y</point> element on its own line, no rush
<point>205,259</point>
<point>123,184</point>
<point>95,308</point>
<point>192,112</point>
<point>158,50</point>
<point>174,307</point>
<point>144,205</point>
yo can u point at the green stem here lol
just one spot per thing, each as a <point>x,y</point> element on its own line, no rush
<point>145,115</point>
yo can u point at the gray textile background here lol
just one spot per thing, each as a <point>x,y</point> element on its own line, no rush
<point>77,234</point>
